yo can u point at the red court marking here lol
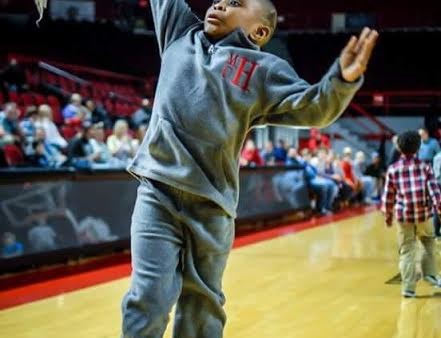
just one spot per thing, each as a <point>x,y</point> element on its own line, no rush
<point>301,226</point>
<point>56,286</point>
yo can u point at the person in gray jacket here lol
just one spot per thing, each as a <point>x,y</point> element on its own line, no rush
<point>215,85</point>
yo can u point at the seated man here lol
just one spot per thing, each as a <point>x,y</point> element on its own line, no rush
<point>75,112</point>
<point>142,115</point>
<point>324,188</point>
<point>47,154</point>
<point>80,150</point>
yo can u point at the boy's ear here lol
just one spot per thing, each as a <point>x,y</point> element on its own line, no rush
<point>261,35</point>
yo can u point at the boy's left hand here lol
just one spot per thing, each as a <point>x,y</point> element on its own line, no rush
<point>355,56</point>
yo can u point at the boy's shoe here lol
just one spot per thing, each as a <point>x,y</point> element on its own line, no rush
<point>432,280</point>
<point>408,294</point>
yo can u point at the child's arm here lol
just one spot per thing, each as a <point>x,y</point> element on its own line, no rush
<point>434,190</point>
<point>388,199</point>
<point>292,101</point>
<point>171,18</point>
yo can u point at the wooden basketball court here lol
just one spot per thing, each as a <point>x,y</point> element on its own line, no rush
<point>334,280</point>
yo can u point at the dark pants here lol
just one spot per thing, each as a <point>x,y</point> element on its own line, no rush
<point>180,245</point>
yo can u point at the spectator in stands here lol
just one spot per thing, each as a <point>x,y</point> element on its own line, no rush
<point>317,141</point>
<point>348,172</point>
<point>38,157</point>
<point>142,115</point>
<point>250,156</point>
<point>376,170</point>
<point>268,154</point>
<point>46,151</point>
<point>75,112</point>
<point>11,247</point>
<point>99,146</point>
<point>98,114</point>
<point>429,147</point>
<point>10,121</point>
<point>80,150</point>
<point>13,76</point>
<point>292,157</point>
<point>42,238</point>
<point>280,152</point>
<point>368,182</point>
<point>28,127</point>
<point>120,142</point>
<point>45,121</point>
<point>328,185</point>
<point>140,134</point>
<point>394,152</point>
<point>306,154</point>
<point>324,189</point>
<point>333,171</point>
<point>322,156</point>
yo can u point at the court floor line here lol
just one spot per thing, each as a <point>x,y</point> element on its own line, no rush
<point>45,289</point>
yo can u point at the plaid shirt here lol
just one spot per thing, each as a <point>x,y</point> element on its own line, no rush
<point>412,189</point>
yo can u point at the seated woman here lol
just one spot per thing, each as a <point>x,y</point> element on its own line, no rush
<point>250,156</point>
<point>45,121</point>
<point>120,142</point>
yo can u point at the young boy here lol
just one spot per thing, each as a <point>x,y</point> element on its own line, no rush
<point>412,191</point>
<point>215,85</point>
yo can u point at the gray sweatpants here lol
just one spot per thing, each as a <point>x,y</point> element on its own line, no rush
<point>180,244</point>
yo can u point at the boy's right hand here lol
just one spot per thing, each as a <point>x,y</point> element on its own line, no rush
<point>389,223</point>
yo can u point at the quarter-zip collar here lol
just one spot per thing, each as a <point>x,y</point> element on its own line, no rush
<point>236,38</point>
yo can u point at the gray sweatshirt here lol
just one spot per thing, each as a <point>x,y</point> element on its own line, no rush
<point>210,95</point>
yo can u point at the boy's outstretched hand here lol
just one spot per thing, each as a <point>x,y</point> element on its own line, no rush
<point>355,56</point>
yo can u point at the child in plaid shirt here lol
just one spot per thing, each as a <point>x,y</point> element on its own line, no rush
<point>411,189</point>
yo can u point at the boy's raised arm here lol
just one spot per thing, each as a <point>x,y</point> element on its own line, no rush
<point>172,18</point>
<point>292,101</point>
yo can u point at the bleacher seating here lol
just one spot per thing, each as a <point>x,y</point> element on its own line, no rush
<point>14,155</point>
<point>118,95</point>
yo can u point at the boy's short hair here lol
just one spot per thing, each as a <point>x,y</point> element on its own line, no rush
<point>409,142</point>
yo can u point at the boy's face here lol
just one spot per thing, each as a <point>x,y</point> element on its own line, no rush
<point>224,16</point>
